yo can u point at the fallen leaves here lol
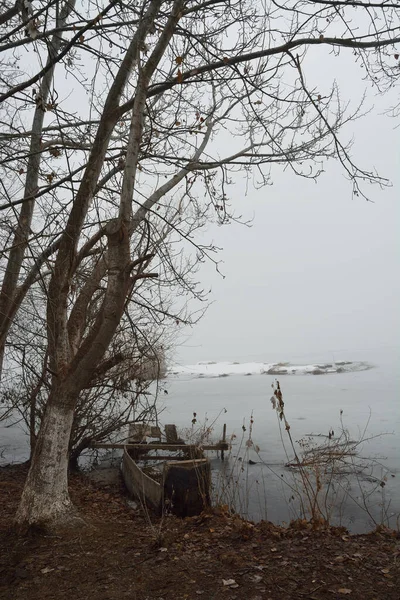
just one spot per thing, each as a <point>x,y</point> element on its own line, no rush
<point>339,559</point>
<point>230,583</point>
<point>119,551</point>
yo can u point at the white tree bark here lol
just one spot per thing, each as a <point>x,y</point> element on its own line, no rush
<point>45,499</point>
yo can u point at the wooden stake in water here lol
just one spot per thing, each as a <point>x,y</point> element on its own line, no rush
<point>223,441</point>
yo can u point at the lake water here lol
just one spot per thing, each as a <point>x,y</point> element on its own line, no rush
<point>313,404</point>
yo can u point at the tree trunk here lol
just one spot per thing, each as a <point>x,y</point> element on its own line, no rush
<point>76,452</point>
<point>8,291</point>
<point>45,500</point>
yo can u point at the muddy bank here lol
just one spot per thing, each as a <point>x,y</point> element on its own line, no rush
<point>124,552</point>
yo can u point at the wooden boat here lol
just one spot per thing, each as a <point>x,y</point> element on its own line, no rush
<point>181,487</point>
<point>181,484</point>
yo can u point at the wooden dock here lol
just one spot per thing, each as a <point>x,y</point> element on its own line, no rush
<point>220,446</point>
<point>139,432</point>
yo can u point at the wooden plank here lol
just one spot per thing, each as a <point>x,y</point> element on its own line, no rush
<point>137,432</point>
<point>187,486</point>
<point>161,457</point>
<point>155,432</point>
<point>171,434</point>
<point>141,485</point>
<point>219,446</point>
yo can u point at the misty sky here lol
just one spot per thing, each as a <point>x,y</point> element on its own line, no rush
<point>317,274</point>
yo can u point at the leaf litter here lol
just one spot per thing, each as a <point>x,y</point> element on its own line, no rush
<point>130,554</point>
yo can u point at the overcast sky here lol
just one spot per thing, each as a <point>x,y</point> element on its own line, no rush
<point>317,274</point>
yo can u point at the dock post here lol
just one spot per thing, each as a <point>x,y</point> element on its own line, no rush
<point>223,441</point>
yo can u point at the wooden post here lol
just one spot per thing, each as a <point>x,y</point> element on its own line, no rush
<point>223,441</point>
<point>187,486</point>
<point>171,434</point>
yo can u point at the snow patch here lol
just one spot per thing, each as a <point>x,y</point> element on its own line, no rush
<point>224,369</point>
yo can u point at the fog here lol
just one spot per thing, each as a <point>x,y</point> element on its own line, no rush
<point>316,274</point>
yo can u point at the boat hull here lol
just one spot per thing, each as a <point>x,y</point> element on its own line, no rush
<point>184,489</point>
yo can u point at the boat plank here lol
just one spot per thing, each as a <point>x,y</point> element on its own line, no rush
<point>140,484</point>
<point>187,486</point>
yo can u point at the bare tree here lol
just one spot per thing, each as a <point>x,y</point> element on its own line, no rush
<point>123,389</point>
<point>105,188</point>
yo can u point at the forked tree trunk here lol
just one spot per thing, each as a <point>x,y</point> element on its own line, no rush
<point>45,499</point>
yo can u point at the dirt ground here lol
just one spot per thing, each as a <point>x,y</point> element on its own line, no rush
<point>121,553</point>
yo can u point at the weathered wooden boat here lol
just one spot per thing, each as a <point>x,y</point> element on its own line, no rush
<point>179,478</point>
<point>181,487</point>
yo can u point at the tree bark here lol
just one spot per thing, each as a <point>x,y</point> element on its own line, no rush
<point>45,499</point>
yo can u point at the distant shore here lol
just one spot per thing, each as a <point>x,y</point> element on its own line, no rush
<point>224,369</point>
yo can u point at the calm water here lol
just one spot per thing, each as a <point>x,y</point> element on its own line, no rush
<point>313,405</point>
